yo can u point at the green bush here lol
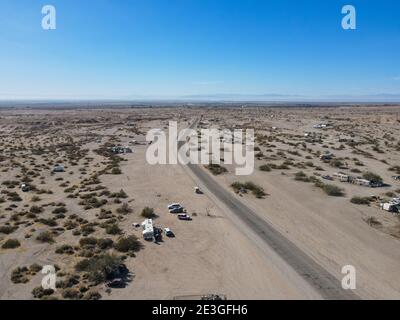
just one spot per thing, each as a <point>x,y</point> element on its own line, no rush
<point>372,177</point>
<point>255,189</point>
<point>59,210</point>
<point>45,236</point>
<point>129,244</point>
<point>124,209</point>
<point>105,243</point>
<point>332,190</point>
<point>265,168</point>
<point>301,176</point>
<point>113,229</point>
<point>216,169</point>
<point>336,163</point>
<point>92,295</point>
<point>360,200</point>
<point>18,275</point>
<point>11,244</point>
<point>116,171</point>
<point>88,242</point>
<point>40,293</point>
<point>7,229</point>
<point>70,293</point>
<point>99,268</point>
<point>35,209</point>
<point>65,249</point>
<point>148,213</point>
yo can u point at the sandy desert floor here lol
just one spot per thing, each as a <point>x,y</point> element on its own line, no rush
<point>79,218</point>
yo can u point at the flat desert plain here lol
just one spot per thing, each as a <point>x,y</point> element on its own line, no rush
<point>83,216</point>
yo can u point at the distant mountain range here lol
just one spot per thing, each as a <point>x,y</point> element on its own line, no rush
<point>382,98</point>
<point>271,97</point>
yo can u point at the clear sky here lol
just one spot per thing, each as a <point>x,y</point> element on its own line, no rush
<point>170,48</point>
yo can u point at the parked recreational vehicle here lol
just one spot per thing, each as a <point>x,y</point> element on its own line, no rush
<point>148,229</point>
<point>392,206</point>
<point>341,176</point>
<point>362,182</point>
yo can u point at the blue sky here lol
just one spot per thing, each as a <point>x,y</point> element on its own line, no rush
<point>171,48</point>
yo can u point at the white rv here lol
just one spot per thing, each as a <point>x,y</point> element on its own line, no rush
<point>148,229</point>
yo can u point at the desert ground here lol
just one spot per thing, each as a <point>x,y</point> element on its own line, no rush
<point>82,219</point>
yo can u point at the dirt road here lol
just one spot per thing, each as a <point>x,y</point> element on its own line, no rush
<point>328,286</point>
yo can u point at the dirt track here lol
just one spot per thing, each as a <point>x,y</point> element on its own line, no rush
<point>321,280</point>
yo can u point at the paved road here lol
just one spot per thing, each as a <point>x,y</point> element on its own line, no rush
<point>328,286</point>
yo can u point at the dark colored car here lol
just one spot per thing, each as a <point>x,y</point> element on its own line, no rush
<point>177,210</point>
<point>184,217</point>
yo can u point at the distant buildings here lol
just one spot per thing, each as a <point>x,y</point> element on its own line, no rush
<point>121,150</point>
<point>320,126</point>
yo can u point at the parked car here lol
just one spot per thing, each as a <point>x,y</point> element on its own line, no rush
<point>197,190</point>
<point>177,210</point>
<point>24,188</point>
<point>174,205</point>
<point>327,178</point>
<point>169,233</point>
<point>185,217</point>
<point>396,177</point>
<point>157,234</point>
<point>116,284</point>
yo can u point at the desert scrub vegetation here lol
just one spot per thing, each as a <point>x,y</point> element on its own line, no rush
<point>360,200</point>
<point>129,244</point>
<point>36,210</point>
<point>301,176</point>
<point>92,295</point>
<point>120,195</point>
<point>48,222</point>
<point>112,229</point>
<point>8,229</point>
<point>60,210</point>
<point>216,169</point>
<point>40,293</point>
<point>45,237</point>
<point>99,268</point>
<point>332,190</point>
<point>336,163</point>
<point>148,213</point>
<point>92,243</point>
<point>265,168</point>
<point>11,244</point>
<point>258,191</point>
<point>373,222</point>
<point>124,209</point>
<point>395,169</point>
<point>372,177</point>
<point>329,189</point>
<point>65,249</point>
<point>116,171</point>
<point>283,166</point>
<point>24,274</point>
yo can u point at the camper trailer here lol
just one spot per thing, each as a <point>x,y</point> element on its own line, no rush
<point>392,206</point>
<point>362,182</point>
<point>148,229</point>
<point>341,176</point>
